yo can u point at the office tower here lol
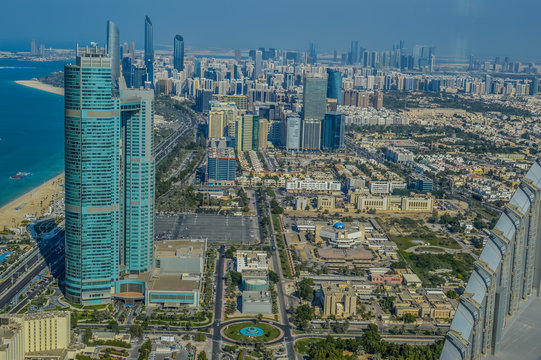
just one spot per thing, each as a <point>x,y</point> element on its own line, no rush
<point>314,96</point>
<point>149,51</point>
<point>33,48</point>
<point>334,85</point>
<point>505,283</point>
<point>139,76</point>
<point>314,109</point>
<point>41,50</point>
<point>534,85</point>
<point>378,99</point>
<point>202,99</point>
<point>92,161</point>
<point>221,166</point>
<point>127,70</point>
<point>247,133</point>
<point>137,116</point>
<point>293,132</point>
<point>263,133</point>
<point>332,131</point>
<point>354,52</point>
<point>258,64</point>
<point>113,49</point>
<point>312,54</point>
<point>488,84</point>
<point>216,123</point>
<point>238,55</point>
<point>178,53</point>
<point>311,134</point>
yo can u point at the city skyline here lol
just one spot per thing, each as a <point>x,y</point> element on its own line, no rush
<point>457,29</point>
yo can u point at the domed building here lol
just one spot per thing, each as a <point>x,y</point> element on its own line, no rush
<point>340,236</point>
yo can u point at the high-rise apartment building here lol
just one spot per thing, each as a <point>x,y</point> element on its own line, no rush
<point>258,64</point>
<point>149,50</point>
<point>332,131</point>
<point>92,171</point>
<point>311,57</point>
<point>354,52</point>
<point>113,49</point>
<point>247,133</point>
<point>221,166</point>
<point>109,169</point>
<point>263,133</point>
<point>216,123</point>
<point>311,134</point>
<point>137,115</point>
<point>334,85</point>
<point>178,53</point>
<point>293,132</point>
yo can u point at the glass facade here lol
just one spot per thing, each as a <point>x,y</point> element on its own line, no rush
<point>113,49</point>
<point>178,53</point>
<point>92,160</point>
<point>315,97</point>
<point>334,85</point>
<point>137,112</point>
<point>293,133</point>
<point>333,131</point>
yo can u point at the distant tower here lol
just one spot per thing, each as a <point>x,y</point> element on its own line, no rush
<point>113,49</point>
<point>334,85</point>
<point>149,50</point>
<point>33,47</point>
<point>178,55</point>
<point>312,54</point>
<point>534,86</point>
<point>258,64</point>
<point>354,52</point>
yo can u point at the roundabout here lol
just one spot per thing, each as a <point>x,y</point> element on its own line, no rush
<point>250,332</point>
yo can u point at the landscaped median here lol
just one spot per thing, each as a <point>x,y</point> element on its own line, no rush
<point>247,332</point>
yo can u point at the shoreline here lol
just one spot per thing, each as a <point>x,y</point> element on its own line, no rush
<point>35,84</point>
<point>34,202</point>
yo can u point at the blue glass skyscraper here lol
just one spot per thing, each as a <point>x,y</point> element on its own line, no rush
<point>178,53</point>
<point>92,161</point>
<point>334,85</point>
<point>149,50</point>
<point>137,114</point>
<point>332,131</point>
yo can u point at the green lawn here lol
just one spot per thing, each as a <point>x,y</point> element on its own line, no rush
<point>302,345</point>
<point>270,332</point>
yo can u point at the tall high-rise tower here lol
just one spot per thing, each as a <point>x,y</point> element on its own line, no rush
<point>314,109</point>
<point>334,85</point>
<point>113,49</point>
<point>137,200</point>
<point>149,50</point>
<point>178,53</point>
<point>92,161</point>
<point>109,163</point>
<point>332,132</point>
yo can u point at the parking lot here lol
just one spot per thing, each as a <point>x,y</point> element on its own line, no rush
<point>218,229</point>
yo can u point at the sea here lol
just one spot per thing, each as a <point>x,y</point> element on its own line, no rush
<point>31,128</point>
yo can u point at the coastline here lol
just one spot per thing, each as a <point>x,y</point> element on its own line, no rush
<point>35,84</point>
<point>33,203</point>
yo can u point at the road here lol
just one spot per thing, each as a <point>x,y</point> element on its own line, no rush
<point>288,338</point>
<point>218,306</point>
<point>22,278</point>
<point>169,144</point>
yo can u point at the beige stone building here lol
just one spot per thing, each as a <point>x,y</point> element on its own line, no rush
<point>42,334</point>
<point>339,299</point>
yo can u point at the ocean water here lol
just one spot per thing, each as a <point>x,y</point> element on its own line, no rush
<point>31,128</point>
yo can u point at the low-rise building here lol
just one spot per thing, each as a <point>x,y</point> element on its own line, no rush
<point>256,302</point>
<point>251,260</point>
<point>339,299</point>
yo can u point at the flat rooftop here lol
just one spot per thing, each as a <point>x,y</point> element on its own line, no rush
<point>357,253</point>
<point>521,338</point>
<point>172,283</point>
<point>180,247</point>
<point>216,228</point>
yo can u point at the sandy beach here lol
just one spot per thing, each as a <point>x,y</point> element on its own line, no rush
<point>34,203</point>
<point>41,86</point>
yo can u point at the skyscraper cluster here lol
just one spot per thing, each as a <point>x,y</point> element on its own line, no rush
<point>109,169</point>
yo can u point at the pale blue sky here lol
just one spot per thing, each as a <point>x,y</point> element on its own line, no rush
<point>454,27</point>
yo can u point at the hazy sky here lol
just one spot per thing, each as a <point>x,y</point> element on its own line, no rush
<point>454,27</point>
